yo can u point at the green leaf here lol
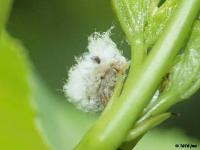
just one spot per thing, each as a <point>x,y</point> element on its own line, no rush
<point>143,18</point>
<point>185,75</point>
<point>157,21</point>
<point>17,129</point>
<point>132,15</point>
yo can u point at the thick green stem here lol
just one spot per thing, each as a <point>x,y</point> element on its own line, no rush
<point>5,6</point>
<point>112,127</point>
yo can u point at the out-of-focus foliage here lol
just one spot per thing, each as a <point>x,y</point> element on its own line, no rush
<point>61,123</point>
<point>17,129</point>
<point>165,140</point>
<point>5,6</point>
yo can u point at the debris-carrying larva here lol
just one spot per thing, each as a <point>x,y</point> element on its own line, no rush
<point>92,80</point>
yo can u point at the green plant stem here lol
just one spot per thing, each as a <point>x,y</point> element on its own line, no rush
<point>161,106</point>
<point>5,6</point>
<point>143,127</point>
<point>140,129</point>
<point>112,127</point>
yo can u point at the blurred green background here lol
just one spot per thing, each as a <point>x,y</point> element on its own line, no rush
<point>54,31</point>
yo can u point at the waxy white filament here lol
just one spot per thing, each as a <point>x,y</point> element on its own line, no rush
<point>92,80</point>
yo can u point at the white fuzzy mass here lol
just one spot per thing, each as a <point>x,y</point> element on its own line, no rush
<point>92,80</point>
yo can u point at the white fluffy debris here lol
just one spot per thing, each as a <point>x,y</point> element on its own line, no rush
<point>92,80</point>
